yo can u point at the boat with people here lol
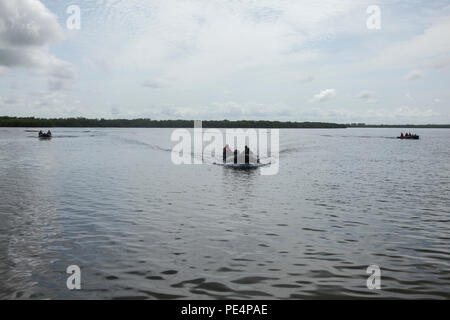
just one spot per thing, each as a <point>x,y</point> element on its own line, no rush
<point>408,135</point>
<point>242,165</point>
<point>43,135</point>
<point>240,160</point>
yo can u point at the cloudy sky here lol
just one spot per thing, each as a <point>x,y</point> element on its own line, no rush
<point>296,60</point>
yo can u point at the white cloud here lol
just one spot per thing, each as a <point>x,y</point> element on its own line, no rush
<point>439,62</point>
<point>324,95</point>
<point>413,113</point>
<point>394,115</point>
<point>41,104</point>
<point>414,75</point>
<point>368,96</point>
<point>27,23</point>
<point>197,43</point>
<point>231,110</point>
<point>428,49</point>
<point>27,29</point>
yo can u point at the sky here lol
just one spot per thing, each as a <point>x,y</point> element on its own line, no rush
<point>290,60</point>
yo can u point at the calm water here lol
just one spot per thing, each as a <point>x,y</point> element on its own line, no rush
<point>112,202</point>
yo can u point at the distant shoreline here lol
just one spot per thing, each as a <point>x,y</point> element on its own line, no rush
<point>31,122</point>
<point>401,126</point>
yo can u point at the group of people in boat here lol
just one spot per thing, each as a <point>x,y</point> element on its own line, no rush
<point>248,155</point>
<point>42,134</point>
<point>407,134</point>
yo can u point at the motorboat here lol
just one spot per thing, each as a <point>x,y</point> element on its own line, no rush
<point>415,136</point>
<point>45,135</point>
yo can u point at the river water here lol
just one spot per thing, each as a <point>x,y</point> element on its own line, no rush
<point>112,202</point>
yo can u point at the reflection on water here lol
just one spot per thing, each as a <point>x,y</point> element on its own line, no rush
<point>111,201</point>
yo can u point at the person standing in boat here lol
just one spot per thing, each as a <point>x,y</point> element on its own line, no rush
<point>235,156</point>
<point>247,155</point>
<point>401,134</point>
<point>226,149</point>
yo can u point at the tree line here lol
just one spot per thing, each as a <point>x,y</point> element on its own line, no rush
<point>402,126</point>
<point>33,122</point>
<point>149,123</point>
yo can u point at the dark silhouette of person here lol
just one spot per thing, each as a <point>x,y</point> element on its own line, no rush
<point>235,156</point>
<point>224,154</point>
<point>247,154</point>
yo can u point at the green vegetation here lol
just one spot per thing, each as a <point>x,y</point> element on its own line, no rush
<point>148,123</point>
<point>402,126</point>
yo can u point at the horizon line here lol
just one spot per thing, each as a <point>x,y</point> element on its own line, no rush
<point>347,124</point>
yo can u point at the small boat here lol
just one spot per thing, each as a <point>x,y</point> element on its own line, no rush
<point>45,135</point>
<point>242,165</point>
<point>415,137</point>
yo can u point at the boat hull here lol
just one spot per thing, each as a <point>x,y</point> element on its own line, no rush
<point>242,165</point>
<point>411,138</point>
